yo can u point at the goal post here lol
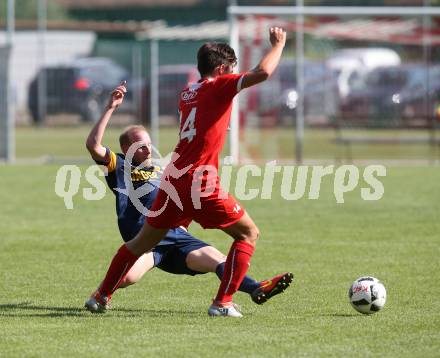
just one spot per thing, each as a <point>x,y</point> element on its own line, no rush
<point>7,120</point>
<point>6,116</point>
<point>246,20</point>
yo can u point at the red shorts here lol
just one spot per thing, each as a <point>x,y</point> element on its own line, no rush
<point>216,209</point>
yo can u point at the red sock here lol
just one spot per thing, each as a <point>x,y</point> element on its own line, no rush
<point>236,266</point>
<point>122,263</point>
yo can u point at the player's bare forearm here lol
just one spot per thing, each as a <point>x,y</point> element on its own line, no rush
<point>269,62</point>
<point>94,140</point>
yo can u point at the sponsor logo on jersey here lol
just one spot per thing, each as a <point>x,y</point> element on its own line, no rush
<point>188,95</point>
<point>143,175</point>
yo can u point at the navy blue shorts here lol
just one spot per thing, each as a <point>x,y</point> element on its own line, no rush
<point>170,254</point>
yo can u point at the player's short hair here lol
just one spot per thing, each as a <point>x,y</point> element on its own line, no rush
<point>213,54</point>
<point>124,138</point>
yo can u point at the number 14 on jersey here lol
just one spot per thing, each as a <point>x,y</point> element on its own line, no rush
<point>188,131</point>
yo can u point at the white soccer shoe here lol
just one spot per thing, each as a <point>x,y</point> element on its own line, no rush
<point>97,303</point>
<point>232,310</point>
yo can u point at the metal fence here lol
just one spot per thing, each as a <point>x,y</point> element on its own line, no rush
<point>63,80</point>
<point>366,86</point>
<point>71,73</point>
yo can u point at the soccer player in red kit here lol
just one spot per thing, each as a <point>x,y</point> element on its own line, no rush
<point>190,187</point>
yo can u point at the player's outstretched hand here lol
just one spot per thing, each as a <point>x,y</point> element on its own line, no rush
<point>117,96</point>
<point>277,36</point>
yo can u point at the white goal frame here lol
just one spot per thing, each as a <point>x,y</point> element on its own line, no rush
<point>299,11</point>
<point>7,150</point>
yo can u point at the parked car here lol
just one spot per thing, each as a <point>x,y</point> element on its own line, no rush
<point>352,64</point>
<point>278,97</point>
<point>319,94</point>
<point>172,80</point>
<point>419,102</point>
<point>376,97</point>
<point>80,87</point>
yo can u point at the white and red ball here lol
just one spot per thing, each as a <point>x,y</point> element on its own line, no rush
<point>367,295</point>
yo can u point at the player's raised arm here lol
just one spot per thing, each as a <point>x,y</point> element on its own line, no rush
<point>94,140</point>
<point>269,63</point>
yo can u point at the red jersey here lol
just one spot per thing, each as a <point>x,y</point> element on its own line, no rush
<point>205,110</point>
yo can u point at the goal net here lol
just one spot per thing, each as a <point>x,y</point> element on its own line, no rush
<point>365,86</point>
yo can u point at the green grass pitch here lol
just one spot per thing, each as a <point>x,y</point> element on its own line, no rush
<point>58,143</point>
<point>52,258</point>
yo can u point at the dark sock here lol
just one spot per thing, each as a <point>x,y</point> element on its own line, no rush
<point>248,284</point>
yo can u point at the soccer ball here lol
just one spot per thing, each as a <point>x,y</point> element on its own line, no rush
<point>367,295</point>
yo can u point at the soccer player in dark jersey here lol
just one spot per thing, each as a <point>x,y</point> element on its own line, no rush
<point>190,188</point>
<point>179,252</point>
